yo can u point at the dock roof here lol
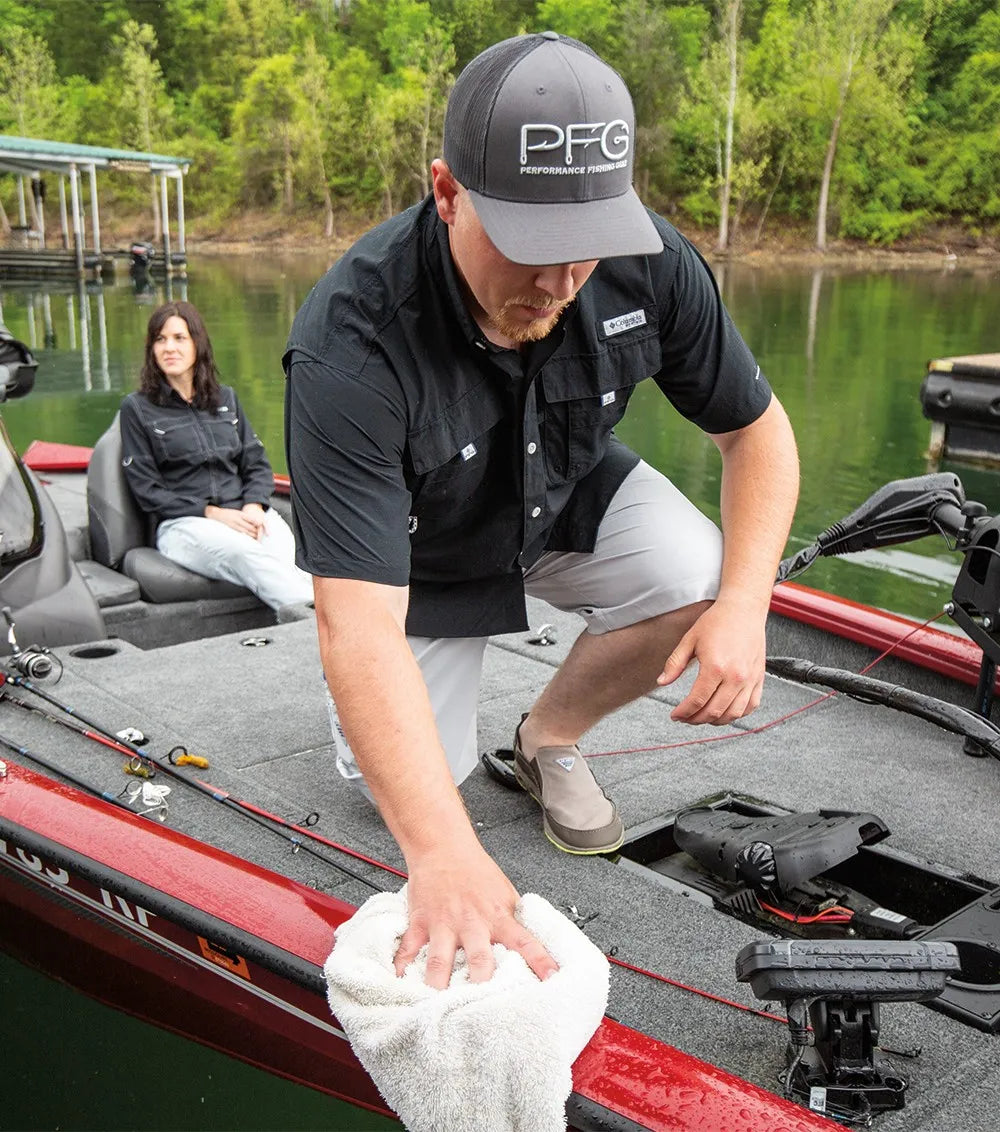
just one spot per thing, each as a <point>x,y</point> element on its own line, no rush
<point>25,155</point>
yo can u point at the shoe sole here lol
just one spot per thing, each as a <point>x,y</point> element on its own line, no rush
<point>528,784</point>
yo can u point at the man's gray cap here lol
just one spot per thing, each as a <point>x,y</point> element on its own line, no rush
<point>541,131</point>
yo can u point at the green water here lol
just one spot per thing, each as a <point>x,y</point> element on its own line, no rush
<point>846,351</point>
<point>72,1064</point>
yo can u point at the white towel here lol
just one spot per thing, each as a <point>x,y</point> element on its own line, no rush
<point>474,1057</point>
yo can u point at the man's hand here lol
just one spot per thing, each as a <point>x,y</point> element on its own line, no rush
<point>248,521</point>
<point>464,900</point>
<point>729,646</point>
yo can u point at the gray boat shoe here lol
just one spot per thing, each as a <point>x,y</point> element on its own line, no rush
<point>577,816</point>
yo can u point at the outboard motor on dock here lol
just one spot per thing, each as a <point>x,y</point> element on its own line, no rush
<point>141,254</point>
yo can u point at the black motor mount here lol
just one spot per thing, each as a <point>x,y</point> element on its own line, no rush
<point>774,854</point>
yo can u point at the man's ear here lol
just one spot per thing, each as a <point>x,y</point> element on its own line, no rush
<point>445,189</point>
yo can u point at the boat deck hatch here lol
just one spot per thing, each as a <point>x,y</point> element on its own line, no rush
<point>826,875</point>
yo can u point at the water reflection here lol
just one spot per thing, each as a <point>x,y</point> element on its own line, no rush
<point>814,290</point>
<point>50,306</point>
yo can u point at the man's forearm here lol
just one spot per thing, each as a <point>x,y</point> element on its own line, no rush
<point>760,481</point>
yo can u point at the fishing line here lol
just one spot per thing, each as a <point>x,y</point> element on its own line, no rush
<point>94,731</point>
<point>743,734</point>
<point>84,727</point>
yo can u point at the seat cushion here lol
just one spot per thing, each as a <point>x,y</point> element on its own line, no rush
<point>161,580</point>
<point>108,586</point>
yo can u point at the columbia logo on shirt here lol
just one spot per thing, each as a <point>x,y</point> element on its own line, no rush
<point>623,322</point>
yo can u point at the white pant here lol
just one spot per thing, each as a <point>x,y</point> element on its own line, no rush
<point>655,552</point>
<point>265,566</point>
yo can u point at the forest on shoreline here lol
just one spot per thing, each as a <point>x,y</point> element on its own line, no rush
<point>770,126</point>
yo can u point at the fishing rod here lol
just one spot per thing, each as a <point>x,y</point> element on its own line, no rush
<point>127,748</point>
<point>91,730</point>
<point>88,787</point>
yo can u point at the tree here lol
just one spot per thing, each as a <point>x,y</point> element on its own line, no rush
<point>658,48</point>
<point>961,145</point>
<point>593,22</point>
<point>141,102</point>
<point>846,34</point>
<point>30,102</point>
<point>407,110</point>
<point>268,124</point>
<point>314,86</point>
<point>730,16</point>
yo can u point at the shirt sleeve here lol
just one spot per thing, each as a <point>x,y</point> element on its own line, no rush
<point>345,435</point>
<point>254,467</point>
<point>708,371</point>
<point>142,472</point>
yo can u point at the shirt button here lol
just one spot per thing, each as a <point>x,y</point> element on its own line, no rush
<point>532,448</point>
<point>536,512</point>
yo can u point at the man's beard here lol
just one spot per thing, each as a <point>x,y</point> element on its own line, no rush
<point>533,331</point>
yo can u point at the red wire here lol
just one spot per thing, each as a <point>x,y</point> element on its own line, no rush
<point>840,915</point>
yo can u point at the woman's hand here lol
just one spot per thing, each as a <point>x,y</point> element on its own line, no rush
<point>255,513</point>
<point>248,521</point>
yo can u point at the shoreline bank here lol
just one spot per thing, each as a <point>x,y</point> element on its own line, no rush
<point>943,248</point>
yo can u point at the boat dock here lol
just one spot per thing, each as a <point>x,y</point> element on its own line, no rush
<point>35,247</point>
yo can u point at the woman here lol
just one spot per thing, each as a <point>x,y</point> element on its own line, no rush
<point>192,460</point>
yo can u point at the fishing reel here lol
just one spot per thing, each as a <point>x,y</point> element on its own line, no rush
<point>34,662</point>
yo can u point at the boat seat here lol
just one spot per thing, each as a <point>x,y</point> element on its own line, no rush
<point>109,587</point>
<point>122,534</point>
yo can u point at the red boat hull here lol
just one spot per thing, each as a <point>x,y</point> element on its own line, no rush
<point>216,949</point>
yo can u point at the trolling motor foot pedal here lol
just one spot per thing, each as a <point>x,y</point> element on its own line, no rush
<point>835,987</point>
<point>499,765</point>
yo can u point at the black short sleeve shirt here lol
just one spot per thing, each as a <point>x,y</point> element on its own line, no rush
<point>421,454</point>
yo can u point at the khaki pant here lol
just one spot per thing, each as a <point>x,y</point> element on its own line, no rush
<point>655,552</point>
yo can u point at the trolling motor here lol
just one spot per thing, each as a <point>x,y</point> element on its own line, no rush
<point>772,856</point>
<point>832,991</point>
<point>33,663</point>
<point>909,509</point>
<point>900,511</point>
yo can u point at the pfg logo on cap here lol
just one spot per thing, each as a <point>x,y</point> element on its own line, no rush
<point>611,138</point>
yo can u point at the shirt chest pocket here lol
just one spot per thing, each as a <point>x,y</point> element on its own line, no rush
<point>186,442</point>
<point>581,408</point>
<point>450,461</point>
<point>176,440</point>
<point>223,435</point>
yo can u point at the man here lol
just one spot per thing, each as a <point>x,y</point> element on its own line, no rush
<point>452,386</point>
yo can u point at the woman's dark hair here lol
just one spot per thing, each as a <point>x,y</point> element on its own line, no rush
<point>207,394</point>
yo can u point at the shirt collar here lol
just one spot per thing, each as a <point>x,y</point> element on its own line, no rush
<point>453,286</point>
<point>168,392</point>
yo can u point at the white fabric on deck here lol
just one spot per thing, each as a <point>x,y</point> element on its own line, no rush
<point>474,1057</point>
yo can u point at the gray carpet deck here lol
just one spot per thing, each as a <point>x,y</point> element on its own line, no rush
<point>258,714</point>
